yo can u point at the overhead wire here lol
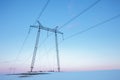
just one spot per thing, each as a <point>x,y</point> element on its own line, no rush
<point>71,18</point>
<point>94,26</point>
<point>90,28</point>
<point>40,14</point>
<point>83,31</point>
<point>45,6</point>
<point>29,32</point>
<point>24,42</point>
<point>85,10</point>
<point>79,14</point>
<point>21,48</point>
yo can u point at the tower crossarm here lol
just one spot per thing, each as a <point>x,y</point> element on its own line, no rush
<point>46,29</point>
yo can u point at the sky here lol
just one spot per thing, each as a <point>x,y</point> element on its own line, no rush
<point>95,49</point>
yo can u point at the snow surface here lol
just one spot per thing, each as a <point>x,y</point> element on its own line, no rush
<point>83,75</point>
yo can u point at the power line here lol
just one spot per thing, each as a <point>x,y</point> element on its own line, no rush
<point>92,5</point>
<point>73,17</point>
<point>21,48</point>
<point>40,14</point>
<point>23,44</point>
<point>30,30</point>
<point>94,26</point>
<point>36,20</point>
<point>45,6</point>
<point>76,16</point>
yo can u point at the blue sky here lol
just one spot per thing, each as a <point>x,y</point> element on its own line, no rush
<point>96,49</point>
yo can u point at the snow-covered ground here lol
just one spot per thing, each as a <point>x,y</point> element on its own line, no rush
<point>83,75</point>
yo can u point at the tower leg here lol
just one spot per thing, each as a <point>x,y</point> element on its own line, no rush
<point>35,50</point>
<point>57,52</point>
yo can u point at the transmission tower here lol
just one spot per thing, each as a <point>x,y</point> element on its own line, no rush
<point>40,27</point>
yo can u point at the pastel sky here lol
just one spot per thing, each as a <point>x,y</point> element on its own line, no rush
<point>95,49</point>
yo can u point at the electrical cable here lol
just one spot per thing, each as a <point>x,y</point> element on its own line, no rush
<point>77,16</point>
<point>85,10</point>
<point>23,44</point>
<point>43,9</point>
<point>71,18</point>
<point>45,6</point>
<point>17,57</point>
<point>94,26</point>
